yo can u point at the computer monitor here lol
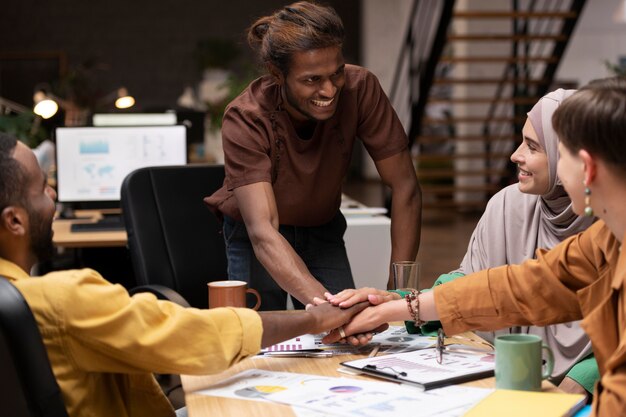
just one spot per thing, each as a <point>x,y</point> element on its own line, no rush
<point>192,120</point>
<point>92,162</point>
<point>135,119</point>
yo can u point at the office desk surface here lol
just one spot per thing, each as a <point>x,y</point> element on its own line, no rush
<point>203,405</point>
<point>65,238</point>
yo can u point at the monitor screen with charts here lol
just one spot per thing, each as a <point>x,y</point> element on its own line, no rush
<point>92,162</point>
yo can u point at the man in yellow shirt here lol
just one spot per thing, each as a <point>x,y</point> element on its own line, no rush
<point>103,344</point>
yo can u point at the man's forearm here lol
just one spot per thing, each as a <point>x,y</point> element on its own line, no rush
<point>286,267</point>
<point>406,220</point>
<point>279,326</point>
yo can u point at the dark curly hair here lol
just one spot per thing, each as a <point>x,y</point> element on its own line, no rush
<point>301,26</point>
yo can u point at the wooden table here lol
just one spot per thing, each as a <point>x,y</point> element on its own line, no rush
<point>65,238</point>
<point>202,405</point>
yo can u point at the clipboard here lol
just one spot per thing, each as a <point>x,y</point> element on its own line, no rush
<point>421,369</point>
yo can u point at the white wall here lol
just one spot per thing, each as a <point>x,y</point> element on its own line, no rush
<point>383,28</point>
<point>597,38</point>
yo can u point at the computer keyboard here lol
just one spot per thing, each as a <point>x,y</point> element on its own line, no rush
<point>106,224</point>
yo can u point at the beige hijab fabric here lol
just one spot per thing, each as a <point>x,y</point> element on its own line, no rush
<point>515,225</point>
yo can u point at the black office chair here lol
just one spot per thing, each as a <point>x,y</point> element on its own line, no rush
<point>173,238</point>
<point>28,387</point>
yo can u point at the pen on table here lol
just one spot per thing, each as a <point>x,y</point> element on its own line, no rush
<point>299,354</point>
<point>374,351</point>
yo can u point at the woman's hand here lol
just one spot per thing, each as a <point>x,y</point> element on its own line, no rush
<point>347,298</point>
<point>383,311</point>
<point>360,339</point>
<point>362,323</point>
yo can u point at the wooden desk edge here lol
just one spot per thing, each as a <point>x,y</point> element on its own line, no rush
<point>64,238</point>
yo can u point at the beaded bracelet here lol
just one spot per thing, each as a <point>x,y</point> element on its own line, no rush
<point>414,312</point>
<point>409,299</point>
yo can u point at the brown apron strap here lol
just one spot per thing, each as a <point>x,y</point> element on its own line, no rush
<point>275,144</point>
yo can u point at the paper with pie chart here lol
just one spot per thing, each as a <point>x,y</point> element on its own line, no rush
<point>330,396</point>
<point>352,397</point>
<point>257,384</point>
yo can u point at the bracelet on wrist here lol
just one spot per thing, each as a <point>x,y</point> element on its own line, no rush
<point>413,305</point>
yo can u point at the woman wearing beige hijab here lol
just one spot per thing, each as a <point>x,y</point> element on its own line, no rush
<point>534,213</point>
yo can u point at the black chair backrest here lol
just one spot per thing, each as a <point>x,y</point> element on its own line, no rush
<point>28,387</point>
<point>173,238</point>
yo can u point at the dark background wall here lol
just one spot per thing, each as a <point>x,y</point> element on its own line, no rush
<point>145,45</point>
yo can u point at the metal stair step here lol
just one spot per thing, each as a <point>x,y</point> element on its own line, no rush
<point>478,205</point>
<point>450,189</point>
<point>498,59</point>
<point>456,156</point>
<point>471,138</point>
<point>473,119</point>
<point>451,173</point>
<point>506,37</point>
<point>489,81</point>
<point>486,100</point>
<point>503,14</point>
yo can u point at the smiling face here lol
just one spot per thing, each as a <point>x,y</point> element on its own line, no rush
<point>312,86</point>
<point>532,163</point>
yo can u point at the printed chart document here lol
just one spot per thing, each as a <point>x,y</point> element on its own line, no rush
<point>393,340</point>
<point>352,397</point>
<point>397,340</point>
<point>421,368</point>
<point>329,396</point>
<point>258,384</point>
<point>311,346</point>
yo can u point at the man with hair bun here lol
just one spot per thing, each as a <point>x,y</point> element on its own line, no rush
<point>288,142</point>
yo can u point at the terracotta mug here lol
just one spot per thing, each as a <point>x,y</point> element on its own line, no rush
<point>231,294</point>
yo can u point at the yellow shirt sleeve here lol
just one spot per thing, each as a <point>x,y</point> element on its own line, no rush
<point>103,329</point>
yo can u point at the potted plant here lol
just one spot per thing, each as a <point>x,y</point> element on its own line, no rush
<point>223,79</point>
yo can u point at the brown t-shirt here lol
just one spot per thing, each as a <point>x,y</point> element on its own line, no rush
<point>261,145</point>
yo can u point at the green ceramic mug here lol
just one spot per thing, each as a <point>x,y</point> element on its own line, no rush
<point>519,362</point>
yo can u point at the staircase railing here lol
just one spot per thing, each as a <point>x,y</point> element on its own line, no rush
<point>529,70</point>
<point>522,70</point>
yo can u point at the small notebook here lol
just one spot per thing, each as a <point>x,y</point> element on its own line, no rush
<point>420,368</point>
<point>527,403</point>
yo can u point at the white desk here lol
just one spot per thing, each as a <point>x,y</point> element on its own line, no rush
<point>368,243</point>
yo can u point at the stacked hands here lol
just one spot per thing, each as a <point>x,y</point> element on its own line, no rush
<point>367,320</point>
